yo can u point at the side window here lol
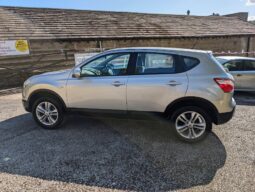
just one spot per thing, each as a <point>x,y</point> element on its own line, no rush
<point>249,66</point>
<point>190,62</point>
<point>155,63</point>
<point>234,65</point>
<point>110,65</point>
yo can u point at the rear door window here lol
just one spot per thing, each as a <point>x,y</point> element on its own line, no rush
<point>155,63</point>
<point>249,66</point>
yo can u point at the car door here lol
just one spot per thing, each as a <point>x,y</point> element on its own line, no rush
<point>247,76</point>
<point>235,68</point>
<point>155,82</point>
<point>102,84</point>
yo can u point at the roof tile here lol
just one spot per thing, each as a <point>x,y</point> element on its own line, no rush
<point>36,23</point>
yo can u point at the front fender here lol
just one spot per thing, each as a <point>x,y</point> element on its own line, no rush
<point>58,87</point>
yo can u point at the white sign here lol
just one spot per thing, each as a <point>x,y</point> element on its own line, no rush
<point>14,47</point>
<point>80,57</point>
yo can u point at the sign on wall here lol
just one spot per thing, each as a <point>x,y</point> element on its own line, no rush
<point>14,47</point>
<point>80,57</point>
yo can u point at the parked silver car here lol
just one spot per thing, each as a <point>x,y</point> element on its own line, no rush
<point>243,70</point>
<point>189,87</point>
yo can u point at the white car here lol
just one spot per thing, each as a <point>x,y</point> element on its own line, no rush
<point>242,69</point>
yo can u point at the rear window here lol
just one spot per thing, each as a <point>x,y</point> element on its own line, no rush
<point>190,62</point>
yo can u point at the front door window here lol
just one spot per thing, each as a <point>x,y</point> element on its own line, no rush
<point>109,65</point>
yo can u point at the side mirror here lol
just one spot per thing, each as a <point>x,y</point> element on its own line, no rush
<point>77,72</point>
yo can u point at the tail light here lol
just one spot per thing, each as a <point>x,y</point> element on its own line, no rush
<point>227,85</point>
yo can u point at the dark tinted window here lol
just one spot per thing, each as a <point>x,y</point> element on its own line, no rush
<point>249,66</point>
<point>190,62</point>
<point>155,63</point>
<point>234,65</point>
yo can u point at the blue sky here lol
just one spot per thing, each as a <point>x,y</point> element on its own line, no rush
<point>197,7</point>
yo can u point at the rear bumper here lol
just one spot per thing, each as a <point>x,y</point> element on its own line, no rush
<point>224,117</point>
<point>26,105</point>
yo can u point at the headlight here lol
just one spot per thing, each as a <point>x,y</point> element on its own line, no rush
<point>26,83</point>
<point>25,87</point>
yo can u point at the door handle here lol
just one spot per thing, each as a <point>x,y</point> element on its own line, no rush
<point>117,83</point>
<point>173,83</point>
<point>238,75</point>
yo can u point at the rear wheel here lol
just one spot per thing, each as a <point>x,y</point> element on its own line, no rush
<point>191,123</point>
<point>47,112</point>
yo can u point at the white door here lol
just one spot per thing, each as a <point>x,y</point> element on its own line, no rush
<point>235,67</point>
<point>247,77</point>
<point>102,84</point>
<point>155,83</point>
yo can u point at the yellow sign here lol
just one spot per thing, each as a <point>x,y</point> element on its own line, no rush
<point>21,45</point>
<point>14,47</point>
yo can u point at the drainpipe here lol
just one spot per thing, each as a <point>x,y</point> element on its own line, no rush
<point>100,46</point>
<point>248,46</point>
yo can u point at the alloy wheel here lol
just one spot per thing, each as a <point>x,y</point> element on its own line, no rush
<point>190,124</point>
<point>47,113</point>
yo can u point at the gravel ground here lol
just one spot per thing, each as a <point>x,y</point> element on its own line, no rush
<point>124,154</point>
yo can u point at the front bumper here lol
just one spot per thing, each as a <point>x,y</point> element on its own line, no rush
<point>224,117</point>
<point>26,105</point>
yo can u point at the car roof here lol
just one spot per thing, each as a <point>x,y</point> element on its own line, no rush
<point>187,52</point>
<point>235,58</point>
<point>173,50</point>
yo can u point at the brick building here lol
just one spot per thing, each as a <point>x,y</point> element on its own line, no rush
<point>55,35</point>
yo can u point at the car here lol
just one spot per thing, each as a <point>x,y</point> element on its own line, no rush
<point>243,70</point>
<point>188,87</point>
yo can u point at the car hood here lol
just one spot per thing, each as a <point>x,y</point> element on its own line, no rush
<point>53,73</point>
<point>50,76</point>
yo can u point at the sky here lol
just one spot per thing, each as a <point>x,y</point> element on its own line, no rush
<point>196,7</point>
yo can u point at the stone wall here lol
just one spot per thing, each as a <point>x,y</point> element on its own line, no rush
<point>49,55</point>
<point>216,44</point>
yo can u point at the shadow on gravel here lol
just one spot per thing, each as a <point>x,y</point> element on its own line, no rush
<point>245,98</point>
<point>130,154</point>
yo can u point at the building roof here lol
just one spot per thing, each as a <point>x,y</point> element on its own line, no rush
<point>240,15</point>
<point>45,23</point>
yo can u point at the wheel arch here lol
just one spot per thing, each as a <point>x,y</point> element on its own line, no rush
<point>44,92</point>
<point>193,101</point>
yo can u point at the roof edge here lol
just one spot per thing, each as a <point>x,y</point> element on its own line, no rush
<point>128,37</point>
<point>119,12</point>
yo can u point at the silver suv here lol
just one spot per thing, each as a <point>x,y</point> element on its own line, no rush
<point>189,87</point>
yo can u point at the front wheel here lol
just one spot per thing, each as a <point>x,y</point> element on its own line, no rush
<point>47,112</point>
<point>191,123</point>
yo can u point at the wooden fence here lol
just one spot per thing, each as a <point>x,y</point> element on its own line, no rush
<point>15,70</point>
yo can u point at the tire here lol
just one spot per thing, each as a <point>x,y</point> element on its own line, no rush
<point>56,114</point>
<point>196,128</point>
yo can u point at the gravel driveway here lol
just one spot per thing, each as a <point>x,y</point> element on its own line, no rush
<point>117,154</point>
